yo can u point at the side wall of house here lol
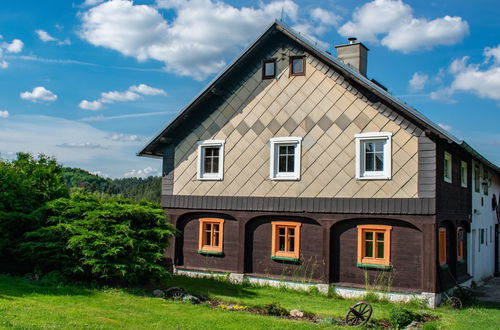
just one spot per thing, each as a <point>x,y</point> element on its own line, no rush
<point>321,108</point>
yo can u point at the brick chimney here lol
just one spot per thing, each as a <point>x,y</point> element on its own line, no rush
<point>354,54</point>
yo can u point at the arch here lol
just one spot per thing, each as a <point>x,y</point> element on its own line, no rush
<point>406,243</point>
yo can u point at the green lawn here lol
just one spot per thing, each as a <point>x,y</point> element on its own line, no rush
<point>26,305</point>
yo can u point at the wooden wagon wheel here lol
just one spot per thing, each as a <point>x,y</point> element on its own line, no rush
<point>174,293</point>
<point>358,314</point>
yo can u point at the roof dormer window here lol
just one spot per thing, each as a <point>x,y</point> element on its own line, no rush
<point>297,65</point>
<point>269,69</point>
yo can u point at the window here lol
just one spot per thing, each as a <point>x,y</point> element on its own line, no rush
<point>210,160</point>
<point>211,235</point>
<point>297,65</point>
<point>463,174</point>
<point>373,156</point>
<point>482,236</point>
<point>285,158</point>
<point>442,246</point>
<point>269,69</point>
<point>476,178</point>
<point>285,240</point>
<point>447,167</point>
<point>486,178</point>
<point>460,243</point>
<point>374,245</point>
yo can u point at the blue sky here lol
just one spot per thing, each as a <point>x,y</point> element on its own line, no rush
<point>90,82</point>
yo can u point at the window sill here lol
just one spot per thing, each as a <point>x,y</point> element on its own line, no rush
<point>443,267</point>
<point>448,180</point>
<point>285,179</point>
<point>285,258</point>
<point>209,179</point>
<point>374,266</point>
<point>463,261</point>
<point>374,178</point>
<point>214,253</point>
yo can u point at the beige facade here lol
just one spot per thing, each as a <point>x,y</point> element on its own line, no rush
<point>326,115</point>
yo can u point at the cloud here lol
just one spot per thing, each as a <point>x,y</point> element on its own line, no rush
<point>4,114</point>
<point>444,94</point>
<point>446,127</point>
<point>198,39</point>
<point>46,37</point>
<point>394,23</point>
<point>148,171</point>
<point>84,145</point>
<point>418,81</point>
<point>73,143</point>
<point>481,79</point>
<point>131,115</point>
<point>15,46</point>
<point>90,3</point>
<point>124,137</point>
<point>38,94</point>
<point>133,93</point>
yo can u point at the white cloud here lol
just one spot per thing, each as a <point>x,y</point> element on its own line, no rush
<point>482,79</point>
<point>15,46</point>
<point>4,114</point>
<point>444,94</point>
<point>130,115</point>
<point>148,171</point>
<point>196,41</point>
<point>418,81</point>
<point>101,174</point>
<point>133,93</point>
<point>38,94</point>
<point>393,21</point>
<point>446,127</point>
<point>324,16</point>
<point>44,36</point>
<point>4,65</point>
<point>90,3</point>
<point>124,137</point>
<point>73,143</point>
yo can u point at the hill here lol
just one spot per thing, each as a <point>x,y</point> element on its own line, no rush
<point>136,189</point>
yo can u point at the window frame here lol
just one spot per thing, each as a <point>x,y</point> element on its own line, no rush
<point>275,253</point>
<point>463,174</point>
<point>460,243</point>
<point>274,143</point>
<point>362,258</point>
<point>448,172</point>
<point>486,177</point>
<point>386,174</point>
<point>210,248</point>
<point>477,178</point>
<point>202,145</point>
<point>264,62</point>
<point>290,65</point>
<point>442,246</point>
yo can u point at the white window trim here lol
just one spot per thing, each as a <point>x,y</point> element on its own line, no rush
<point>386,174</point>
<point>210,143</point>
<point>273,170</point>
<point>463,165</point>
<point>448,156</point>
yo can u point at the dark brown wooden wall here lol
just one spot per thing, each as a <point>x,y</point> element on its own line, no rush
<point>311,266</point>
<point>187,244</point>
<point>406,256</point>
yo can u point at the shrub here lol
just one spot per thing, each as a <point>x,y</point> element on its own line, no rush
<point>275,309</point>
<point>109,241</point>
<point>400,317</point>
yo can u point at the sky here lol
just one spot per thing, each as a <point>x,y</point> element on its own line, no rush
<point>90,82</point>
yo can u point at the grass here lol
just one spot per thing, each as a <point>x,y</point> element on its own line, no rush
<point>27,305</point>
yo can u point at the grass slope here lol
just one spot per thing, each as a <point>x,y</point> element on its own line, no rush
<point>26,305</point>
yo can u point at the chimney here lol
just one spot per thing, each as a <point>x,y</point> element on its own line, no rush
<point>354,54</point>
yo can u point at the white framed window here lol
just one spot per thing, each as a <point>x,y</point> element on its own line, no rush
<point>447,167</point>
<point>285,158</point>
<point>210,160</point>
<point>463,174</point>
<point>374,156</point>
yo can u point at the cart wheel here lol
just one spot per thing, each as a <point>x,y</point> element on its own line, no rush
<point>358,314</point>
<point>174,293</point>
<point>455,302</point>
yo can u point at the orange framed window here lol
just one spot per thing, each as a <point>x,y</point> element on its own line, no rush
<point>374,244</point>
<point>211,235</point>
<point>460,243</point>
<point>286,239</point>
<point>442,246</point>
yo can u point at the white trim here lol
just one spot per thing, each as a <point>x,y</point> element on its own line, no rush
<point>211,177</point>
<point>273,172</point>
<point>386,174</point>
<point>463,165</point>
<point>446,171</point>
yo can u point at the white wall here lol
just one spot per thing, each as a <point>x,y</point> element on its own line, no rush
<point>481,256</point>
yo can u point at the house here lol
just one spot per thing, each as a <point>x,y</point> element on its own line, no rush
<point>293,167</point>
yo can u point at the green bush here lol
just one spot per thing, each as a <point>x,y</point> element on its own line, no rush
<point>110,241</point>
<point>401,317</point>
<point>275,309</point>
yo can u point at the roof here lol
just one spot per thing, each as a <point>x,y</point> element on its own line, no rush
<point>346,70</point>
